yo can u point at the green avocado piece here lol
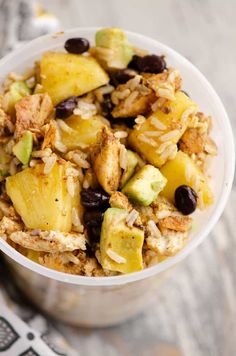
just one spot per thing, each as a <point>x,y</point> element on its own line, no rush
<point>145,185</point>
<point>22,150</point>
<point>16,92</point>
<point>121,245</point>
<point>116,40</point>
<point>132,161</point>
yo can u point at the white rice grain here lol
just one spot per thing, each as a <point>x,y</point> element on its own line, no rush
<point>158,124</point>
<point>152,133</point>
<point>134,82</point>
<point>169,135</point>
<point>121,134</point>
<point>169,152</point>
<point>81,162</point>
<point>85,110</point>
<point>123,157</point>
<point>70,185</point>
<point>49,163</point>
<point>163,214</point>
<point>140,119</point>
<point>115,257</point>
<point>155,232</point>
<point>131,217</point>
<point>64,127</point>
<point>163,147</point>
<point>130,99</point>
<point>147,140</point>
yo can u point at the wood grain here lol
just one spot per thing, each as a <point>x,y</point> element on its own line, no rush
<point>195,312</point>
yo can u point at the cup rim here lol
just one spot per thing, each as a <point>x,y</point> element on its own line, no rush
<point>229,166</point>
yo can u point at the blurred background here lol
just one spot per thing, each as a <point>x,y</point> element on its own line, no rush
<point>195,313</point>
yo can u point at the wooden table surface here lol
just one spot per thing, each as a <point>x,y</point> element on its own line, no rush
<point>195,314</point>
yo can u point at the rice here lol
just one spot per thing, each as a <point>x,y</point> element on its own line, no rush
<point>115,257</point>
<point>158,124</point>
<point>121,134</point>
<point>163,147</point>
<point>70,185</point>
<point>64,127</point>
<point>200,201</point>
<point>171,151</point>
<point>85,110</point>
<point>131,217</point>
<point>163,214</point>
<point>31,82</point>
<point>152,133</point>
<point>42,153</point>
<point>169,135</point>
<point>81,162</point>
<point>148,140</point>
<point>116,95</point>
<point>86,184</point>
<point>134,82</point>
<point>99,93</point>
<point>140,119</point>
<point>187,113</point>
<point>188,173</point>
<point>130,99</point>
<point>75,217</point>
<point>58,144</point>
<point>33,162</point>
<point>166,93</point>
<point>49,163</point>
<point>155,232</point>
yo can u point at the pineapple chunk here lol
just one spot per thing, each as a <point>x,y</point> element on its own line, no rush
<point>42,200</point>
<point>84,132</point>
<point>66,74</point>
<point>182,170</point>
<point>147,140</point>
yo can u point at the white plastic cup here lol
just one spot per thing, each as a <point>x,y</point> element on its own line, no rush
<point>104,301</point>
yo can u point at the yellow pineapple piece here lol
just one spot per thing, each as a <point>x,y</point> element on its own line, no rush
<point>157,137</point>
<point>183,170</point>
<point>66,74</point>
<point>83,133</point>
<point>42,200</point>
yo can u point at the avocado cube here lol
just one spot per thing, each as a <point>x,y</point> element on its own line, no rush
<point>132,161</point>
<point>116,40</point>
<point>16,92</point>
<point>145,185</point>
<point>121,245</point>
<point>22,150</point>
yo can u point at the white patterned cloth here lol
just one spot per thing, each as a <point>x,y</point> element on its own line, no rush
<point>24,331</point>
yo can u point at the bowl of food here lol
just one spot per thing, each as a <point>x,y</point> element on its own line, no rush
<point>117,159</point>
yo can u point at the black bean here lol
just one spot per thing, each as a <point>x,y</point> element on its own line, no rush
<point>185,199</point>
<point>77,45</point>
<point>94,198</point>
<point>121,76</point>
<point>107,106</point>
<point>94,234</point>
<point>150,63</point>
<point>66,107</point>
<point>93,218</point>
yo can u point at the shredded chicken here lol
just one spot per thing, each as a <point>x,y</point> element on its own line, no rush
<point>168,244</point>
<point>49,241</point>
<point>192,141</point>
<point>32,112</point>
<point>139,106</point>
<point>176,223</point>
<point>50,135</point>
<point>106,162</point>
<point>9,226</point>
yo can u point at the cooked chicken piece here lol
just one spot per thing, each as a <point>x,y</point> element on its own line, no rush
<point>50,135</point>
<point>65,262</point>
<point>169,79</point>
<point>106,161</point>
<point>7,210</point>
<point>32,112</point>
<point>168,244</point>
<point>192,141</point>
<point>140,105</point>
<point>176,223</point>
<point>119,200</point>
<point>9,226</point>
<point>49,241</point>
